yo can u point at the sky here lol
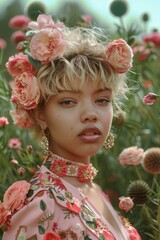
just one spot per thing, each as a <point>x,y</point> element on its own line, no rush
<point>101,9</point>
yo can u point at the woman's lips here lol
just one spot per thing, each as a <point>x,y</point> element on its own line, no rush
<point>90,135</point>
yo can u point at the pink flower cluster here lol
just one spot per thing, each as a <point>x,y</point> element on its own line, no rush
<point>119,55</point>
<point>131,156</point>
<point>25,90</point>
<point>13,200</point>
<point>126,203</point>
<point>46,43</point>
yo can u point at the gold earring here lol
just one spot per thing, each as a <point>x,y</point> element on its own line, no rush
<point>109,143</point>
<point>44,143</point>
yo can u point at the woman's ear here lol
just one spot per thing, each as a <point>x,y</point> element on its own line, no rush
<point>40,118</point>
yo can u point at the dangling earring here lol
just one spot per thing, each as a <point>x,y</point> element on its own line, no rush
<point>44,143</point>
<point>109,143</point>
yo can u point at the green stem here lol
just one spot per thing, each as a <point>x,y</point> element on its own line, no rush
<point>137,172</point>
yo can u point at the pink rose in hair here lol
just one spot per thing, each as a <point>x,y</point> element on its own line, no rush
<point>119,55</point>
<point>126,203</point>
<point>18,64</point>
<point>19,22</point>
<point>47,45</point>
<point>4,213</point>
<point>21,118</point>
<point>43,21</point>
<point>15,195</point>
<point>25,91</point>
<point>131,156</point>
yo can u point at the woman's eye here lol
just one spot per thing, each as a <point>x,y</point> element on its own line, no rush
<point>67,102</point>
<point>103,101</point>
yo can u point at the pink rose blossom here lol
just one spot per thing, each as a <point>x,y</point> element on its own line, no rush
<point>150,98</point>
<point>21,118</point>
<point>134,234</point>
<point>17,37</point>
<point>18,64</point>
<point>47,45</point>
<point>21,171</point>
<point>131,156</point>
<point>119,54</point>
<point>43,21</point>
<point>4,213</point>
<point>15,195</point>
<point>14,143</point>
<point>3,43</point>
<point>3,121</point>
<point>26,91</point>
<point>126,203</point>
<point>19,22</point>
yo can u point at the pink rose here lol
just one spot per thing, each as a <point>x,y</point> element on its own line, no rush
<point>4,213</point>
<point>21,118</point>
<point>19,22</point>
<point>134,235</point>
<point>3,43</point>
<point>126,203</point>
<point>15,195</point>
<point>131,156</point>
<point>17,37</point>
<point>14,162</point>
<point>18,64</point>
<point>43,21</point>
<point>150,98</point>
<point>51,236</point>
<point>47,45</point>
<point>3,121</point>
<point>25,91</point>
<point>119,54</point>
<point>14,143</point>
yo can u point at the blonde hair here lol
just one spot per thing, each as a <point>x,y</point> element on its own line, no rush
<point>84,58</point>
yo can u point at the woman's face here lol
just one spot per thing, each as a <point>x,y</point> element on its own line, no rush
<point>78,121</point>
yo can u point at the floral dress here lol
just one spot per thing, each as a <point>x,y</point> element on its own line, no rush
<point>56,210</point>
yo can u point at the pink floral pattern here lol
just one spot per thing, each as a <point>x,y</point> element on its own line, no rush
<point>4,214</point>
<point>119,55</point>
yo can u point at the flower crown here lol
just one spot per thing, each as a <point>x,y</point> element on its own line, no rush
<point>45,43</point>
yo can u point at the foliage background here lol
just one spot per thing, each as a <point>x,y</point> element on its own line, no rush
<point>139,127</point>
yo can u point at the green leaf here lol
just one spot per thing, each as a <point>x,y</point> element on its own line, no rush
<point>30,33</point>
<point>30,193</point>
<point>61,198</point>
<point>33,61</point>
<point>101,236</point>
<point>41,229</point>
<point>42,205</point>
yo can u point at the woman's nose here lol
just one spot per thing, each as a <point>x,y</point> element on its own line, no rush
<point>89,116</point>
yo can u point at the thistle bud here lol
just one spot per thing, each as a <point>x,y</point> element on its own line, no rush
<point>119,7</point>
<point>34,9</point>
